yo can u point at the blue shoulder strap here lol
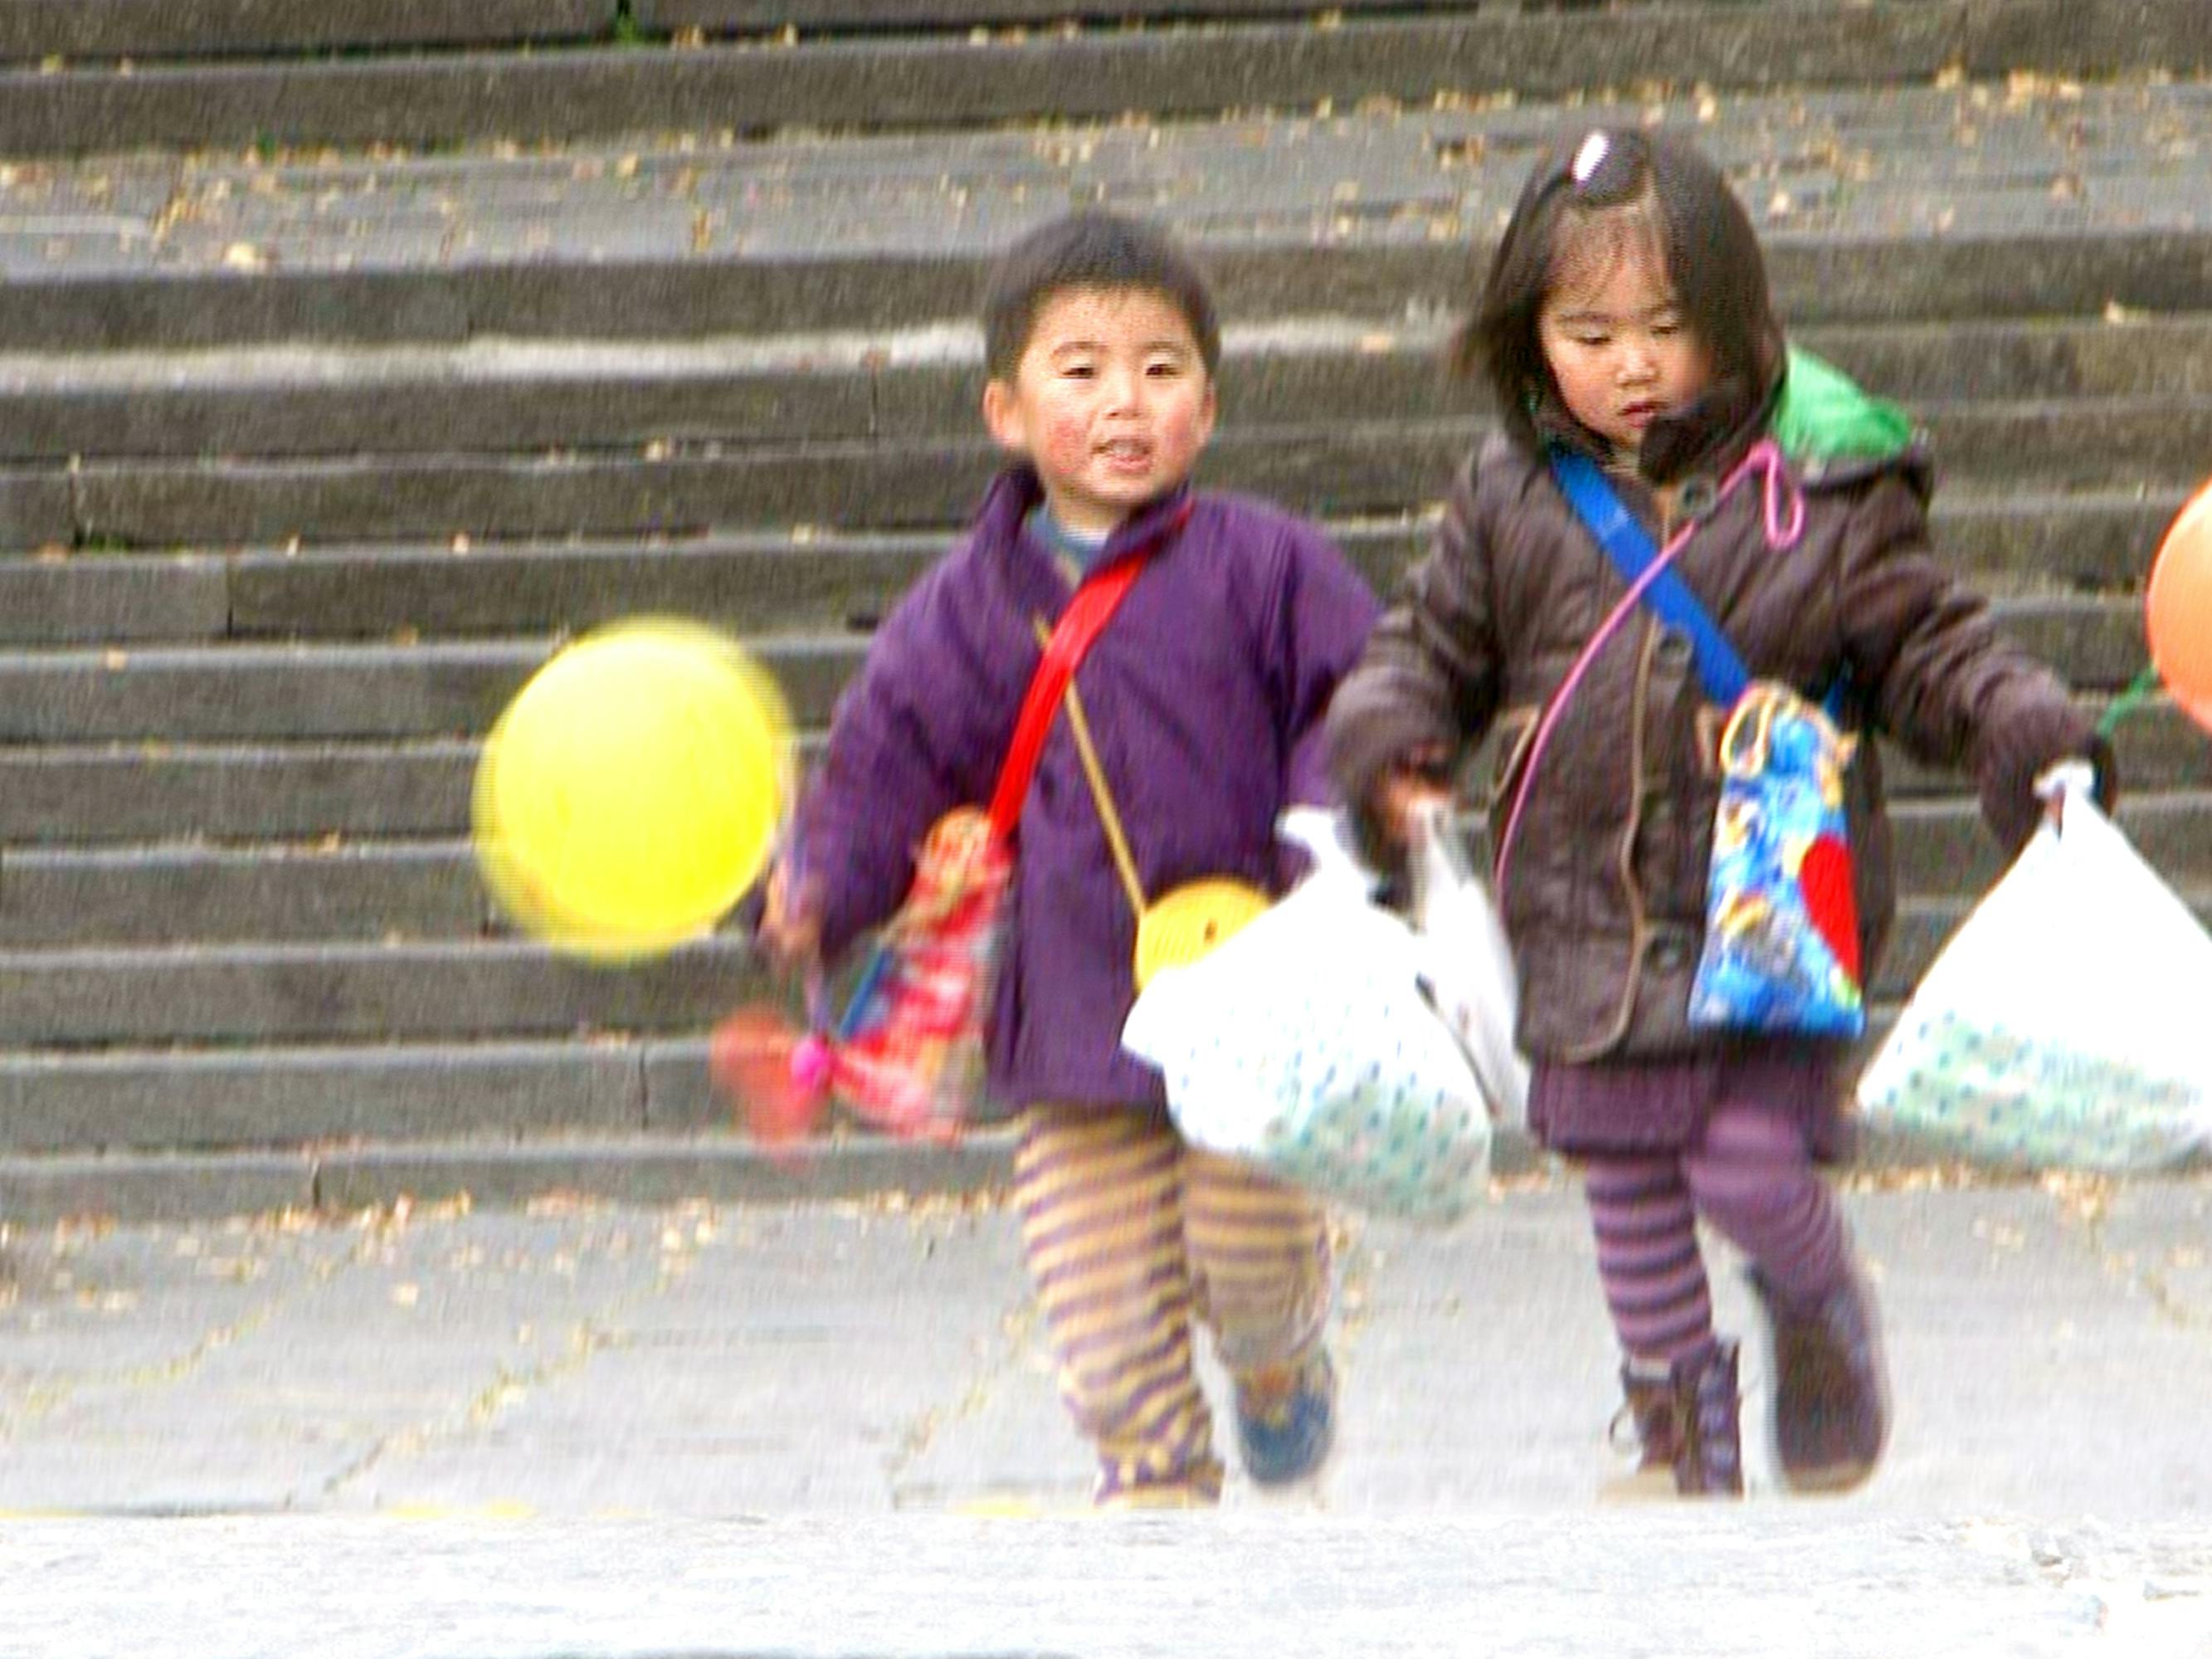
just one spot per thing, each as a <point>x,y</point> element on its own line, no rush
<point>1626,544</point>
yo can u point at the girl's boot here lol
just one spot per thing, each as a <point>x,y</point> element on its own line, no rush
<point>1647,1410</point>
<point>1709,1452</point>
<point>1830,1385</point>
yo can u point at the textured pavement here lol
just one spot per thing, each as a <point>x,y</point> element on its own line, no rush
<point>831,1430</point>
<point>1642,1585</point>
<point>2049,1344</point>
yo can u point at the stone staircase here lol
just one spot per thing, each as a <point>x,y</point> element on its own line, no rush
<point>358,351</point>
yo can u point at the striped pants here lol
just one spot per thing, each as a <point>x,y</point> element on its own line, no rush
<point>1751,1176</point>
<point>1131,1235</point>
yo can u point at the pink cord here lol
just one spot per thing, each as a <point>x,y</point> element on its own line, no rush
<point>1782,533</point>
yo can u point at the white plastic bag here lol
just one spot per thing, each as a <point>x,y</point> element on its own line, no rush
<point>1470,964</point>
<point>1304,1044</point>
<point>2065,1024</point>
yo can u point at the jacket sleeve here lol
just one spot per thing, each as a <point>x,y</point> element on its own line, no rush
<point>920,732</point>
<point>1429,678</point>
<point>1322,615</point>
<point>1936,674</point>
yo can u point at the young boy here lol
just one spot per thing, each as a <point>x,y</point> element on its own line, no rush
<point>1205,696</point>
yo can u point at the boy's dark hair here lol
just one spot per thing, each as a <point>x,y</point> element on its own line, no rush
<point>1712,252</point>
<point>1089,250</point>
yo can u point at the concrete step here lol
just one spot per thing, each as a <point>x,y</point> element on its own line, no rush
<point>504,395</point>
<point>771,582</point>
<point>165,1187</point>
<point>284,1095</point>
<point>952,78</point>
<point>85,796</point>
<point>1944,852</point>
<point>62,795</point>
<point>335,992</point>
<point>142,30</point>
<point>294,692</point>
<point>337,996</point>
<point>2159,748</point>
<point>1329,471</point>
<point>163,895</point>
<point>394,892</point>
<point>416,290</point>
<point>184,694</point>
<point>54,598</point>
<point>810,17</point>
<point>768,582</point>
<point>1925,203</point>
<point>31,30</point>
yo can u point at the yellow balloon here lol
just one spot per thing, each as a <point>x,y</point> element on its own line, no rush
<point>631,792</point>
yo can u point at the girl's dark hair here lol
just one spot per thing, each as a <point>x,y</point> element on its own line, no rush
<point>1089,250</point>
<point>1712,252</point>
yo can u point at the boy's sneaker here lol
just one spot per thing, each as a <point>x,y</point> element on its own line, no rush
<point>1286,1419</point>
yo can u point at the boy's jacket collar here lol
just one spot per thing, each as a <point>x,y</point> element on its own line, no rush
<point>1017,491</point>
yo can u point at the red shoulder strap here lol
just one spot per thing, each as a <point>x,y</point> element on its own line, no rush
<point>1080,625</point>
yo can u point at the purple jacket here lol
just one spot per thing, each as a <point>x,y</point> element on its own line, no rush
<point>1206,695</point>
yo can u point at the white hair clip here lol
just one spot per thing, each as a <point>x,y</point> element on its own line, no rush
<point>1591,156</point>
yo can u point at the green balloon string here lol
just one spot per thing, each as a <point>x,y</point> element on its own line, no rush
<point>2138,688</point>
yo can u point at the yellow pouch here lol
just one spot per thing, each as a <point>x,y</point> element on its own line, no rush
<point>1191,920</point>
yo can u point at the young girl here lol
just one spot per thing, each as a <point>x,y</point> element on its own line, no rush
<point>1626,319</point>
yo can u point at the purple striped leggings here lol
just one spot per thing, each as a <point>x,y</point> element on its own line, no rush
<point>1132,1236</point>
<point>1752,1177</point>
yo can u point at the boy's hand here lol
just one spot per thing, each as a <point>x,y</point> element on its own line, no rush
<point>791,922</point>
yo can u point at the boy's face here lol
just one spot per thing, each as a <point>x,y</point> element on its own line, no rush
<point>1111,401</point>
<point>1620,351</point>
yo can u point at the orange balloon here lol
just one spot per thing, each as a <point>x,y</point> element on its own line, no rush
<point>2178,609</point>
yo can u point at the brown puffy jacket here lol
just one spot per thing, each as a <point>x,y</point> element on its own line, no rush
<point>1605,895</point>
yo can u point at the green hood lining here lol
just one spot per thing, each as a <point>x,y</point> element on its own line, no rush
<point>1823,415</point>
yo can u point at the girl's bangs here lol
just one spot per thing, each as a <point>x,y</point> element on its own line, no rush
<point>1590,243</point>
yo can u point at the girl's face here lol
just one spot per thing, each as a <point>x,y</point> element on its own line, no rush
<point>1620,351</point>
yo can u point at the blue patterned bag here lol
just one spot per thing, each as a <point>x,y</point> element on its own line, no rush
<point>1782,928</point>
<point>1781,941</point>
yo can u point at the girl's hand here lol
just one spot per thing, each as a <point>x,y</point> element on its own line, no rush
<point>1406,790</point>
<point>791,923</point>
<point>2056,781</point>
